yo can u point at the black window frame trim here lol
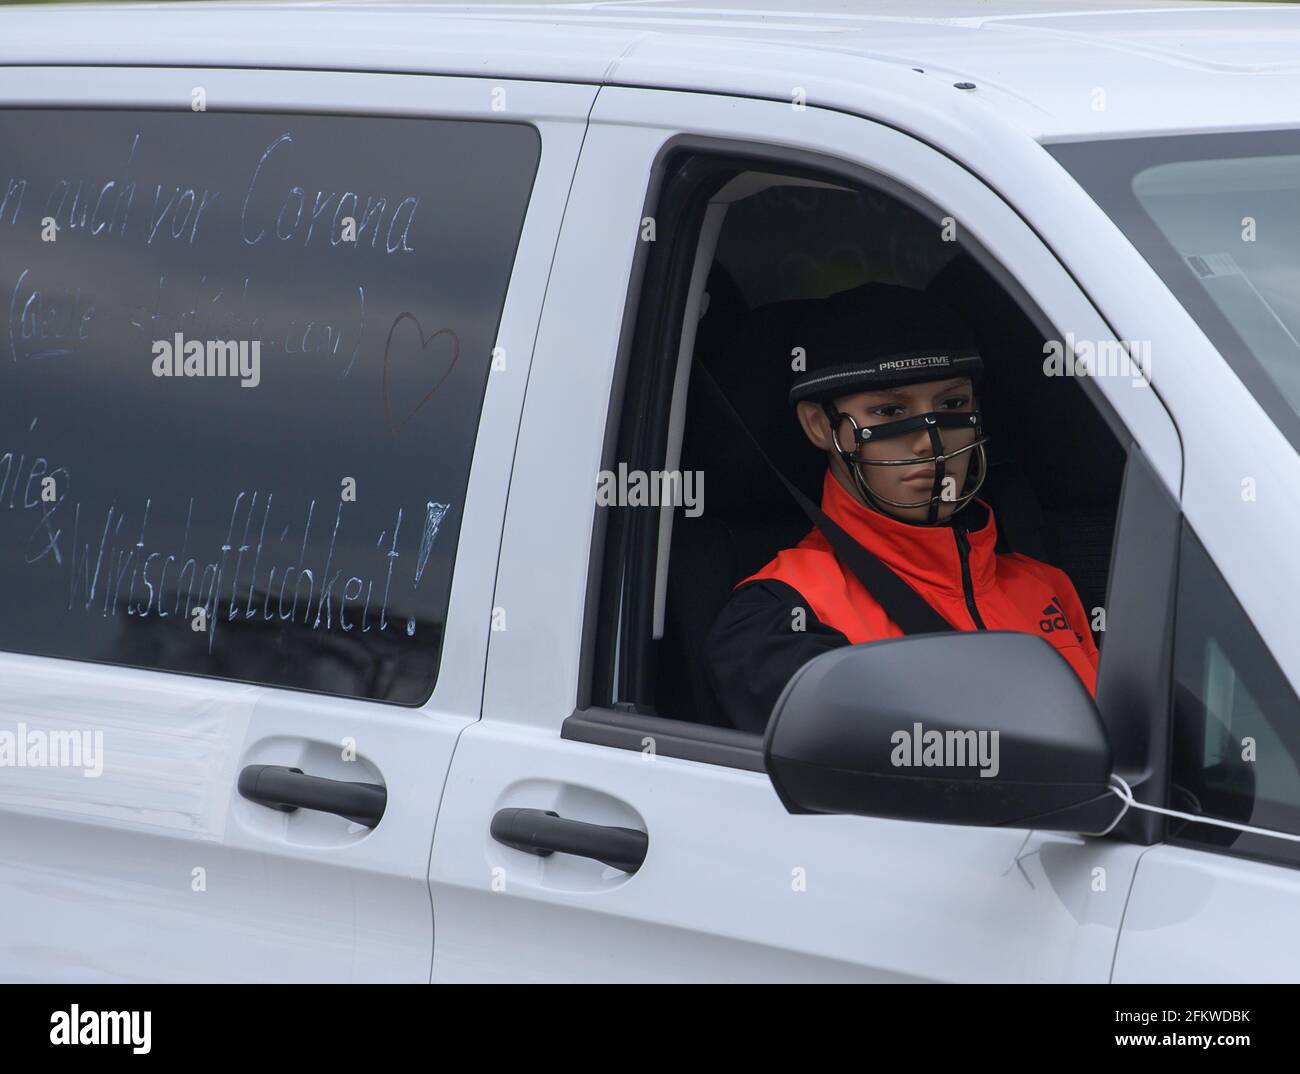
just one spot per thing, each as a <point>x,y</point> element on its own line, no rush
<point>1203,564</point>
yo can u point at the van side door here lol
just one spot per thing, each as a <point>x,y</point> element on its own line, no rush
<point>726,885</point>
<point>265,341</point>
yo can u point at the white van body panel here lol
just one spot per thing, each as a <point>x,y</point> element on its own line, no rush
<point>734,888</point>
<point>1196,917</point>
<point>1161,63</point>
<point>98,875</point>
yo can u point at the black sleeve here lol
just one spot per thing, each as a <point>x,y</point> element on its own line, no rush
<point>755,646</point>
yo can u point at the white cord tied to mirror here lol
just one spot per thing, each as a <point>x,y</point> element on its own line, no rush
<point>1125,794</point>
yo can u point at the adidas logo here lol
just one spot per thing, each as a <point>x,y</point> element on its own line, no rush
<point>1055,618</point>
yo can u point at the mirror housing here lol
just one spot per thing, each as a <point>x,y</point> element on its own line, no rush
<point>990,728</point>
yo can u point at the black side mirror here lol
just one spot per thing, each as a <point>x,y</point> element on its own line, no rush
<point>990,728</point>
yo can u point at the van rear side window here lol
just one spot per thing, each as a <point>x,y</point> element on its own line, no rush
<point>242,361</point>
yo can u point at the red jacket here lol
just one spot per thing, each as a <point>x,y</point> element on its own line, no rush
<point>1003,592</point>
<point>752,651</point>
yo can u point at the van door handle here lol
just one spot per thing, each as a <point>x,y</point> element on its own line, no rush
<point>543,832</point>
<point>289,789</point>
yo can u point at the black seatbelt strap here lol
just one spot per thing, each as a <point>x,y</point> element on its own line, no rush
<point>899,600</point>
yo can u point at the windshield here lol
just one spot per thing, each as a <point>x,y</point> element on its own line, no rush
<point>1218,217</point>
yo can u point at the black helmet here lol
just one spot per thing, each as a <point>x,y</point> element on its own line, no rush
<point>881,335</point>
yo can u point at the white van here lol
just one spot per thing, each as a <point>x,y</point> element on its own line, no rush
<point>321,323</point>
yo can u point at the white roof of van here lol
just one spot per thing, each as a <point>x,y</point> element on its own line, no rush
<point>1085,69</point>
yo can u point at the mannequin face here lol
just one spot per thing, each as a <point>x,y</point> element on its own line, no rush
<point>905,484</point>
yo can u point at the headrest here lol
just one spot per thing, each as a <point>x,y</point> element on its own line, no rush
<point>1028,414</point>
<point>750,366</point>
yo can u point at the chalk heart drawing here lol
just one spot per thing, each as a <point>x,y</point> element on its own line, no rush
<point>412,372</point>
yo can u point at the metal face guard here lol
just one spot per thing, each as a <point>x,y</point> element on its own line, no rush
<point>931,423</point>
